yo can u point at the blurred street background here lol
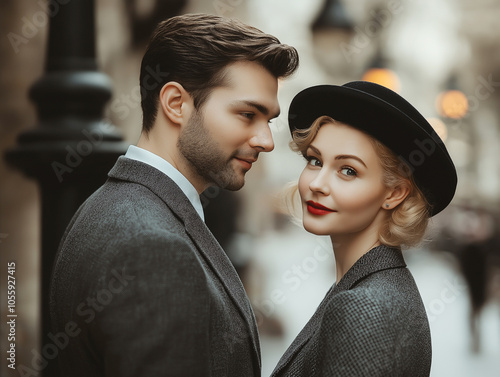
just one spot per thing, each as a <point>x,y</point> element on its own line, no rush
<point>443,56</point>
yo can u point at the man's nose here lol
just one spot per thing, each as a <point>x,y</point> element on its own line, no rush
<point>263,139</point>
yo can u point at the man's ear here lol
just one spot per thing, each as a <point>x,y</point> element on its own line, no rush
<point>396,195</point>
<point>175,102</point>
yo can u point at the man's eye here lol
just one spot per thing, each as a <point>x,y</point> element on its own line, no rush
<point>248,115</point>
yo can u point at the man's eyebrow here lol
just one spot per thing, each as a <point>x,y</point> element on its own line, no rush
<point>261,108</point>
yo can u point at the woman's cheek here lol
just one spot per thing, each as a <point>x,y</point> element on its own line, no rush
<point>304,180</point>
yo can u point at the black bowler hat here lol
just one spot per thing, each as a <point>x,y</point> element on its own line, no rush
<point>392,120</point>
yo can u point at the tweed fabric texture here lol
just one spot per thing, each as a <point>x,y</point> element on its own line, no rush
<point>372,323</point>
<point>145,287</point>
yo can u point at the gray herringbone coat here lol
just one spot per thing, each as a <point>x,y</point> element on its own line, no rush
<point>373,323</point>
<point>142,288</point>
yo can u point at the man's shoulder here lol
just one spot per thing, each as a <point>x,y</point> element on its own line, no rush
<point>114,193</point>
<point>122,213</point>
<point>124,203</point>
<point>123,235</point>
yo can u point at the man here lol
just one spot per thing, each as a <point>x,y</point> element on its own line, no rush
<point>140,285</point>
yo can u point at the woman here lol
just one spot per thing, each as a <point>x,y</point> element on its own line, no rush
<point>376,172</point>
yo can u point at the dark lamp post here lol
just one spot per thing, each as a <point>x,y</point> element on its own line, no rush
<point>72,148</point>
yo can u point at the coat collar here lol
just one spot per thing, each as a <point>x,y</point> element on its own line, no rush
<point>377,259</point>
<point>161,185</point>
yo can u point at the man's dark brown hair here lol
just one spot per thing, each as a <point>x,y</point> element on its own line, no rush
<point>194,49</point>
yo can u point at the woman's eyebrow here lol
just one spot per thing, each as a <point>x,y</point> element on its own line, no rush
<point>349,156</point>
<point>314,149</point>
<point>339,157</point>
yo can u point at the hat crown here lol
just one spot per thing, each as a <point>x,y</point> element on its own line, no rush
<point>393,99</point>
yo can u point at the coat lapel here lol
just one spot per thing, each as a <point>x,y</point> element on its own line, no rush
<point>160,184</point>
<point>377,259</point>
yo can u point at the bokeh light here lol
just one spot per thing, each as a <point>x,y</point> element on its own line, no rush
<point>383,76</point>
<point>452,104</point>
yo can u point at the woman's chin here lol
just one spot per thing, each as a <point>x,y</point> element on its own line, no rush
<point>315,230</point>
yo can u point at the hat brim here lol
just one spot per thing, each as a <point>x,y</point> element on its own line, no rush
<point>412,140</point>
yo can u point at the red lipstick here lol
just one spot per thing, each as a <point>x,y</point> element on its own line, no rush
<point>318,209</point>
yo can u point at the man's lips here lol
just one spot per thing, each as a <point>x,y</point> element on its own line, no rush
<point>246,162</point>
<point>318,209</point>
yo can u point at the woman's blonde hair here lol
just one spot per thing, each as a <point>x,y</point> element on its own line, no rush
<point>406,225</point>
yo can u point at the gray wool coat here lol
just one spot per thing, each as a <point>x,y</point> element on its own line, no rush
<point>372,323</point>
<point>140,287</point>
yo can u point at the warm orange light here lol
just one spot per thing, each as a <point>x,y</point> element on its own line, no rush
<point>452,104</point>
<point>439,127</point>
<point>383,76</point>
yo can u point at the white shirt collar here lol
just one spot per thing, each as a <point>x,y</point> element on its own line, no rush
<point>143,155</point>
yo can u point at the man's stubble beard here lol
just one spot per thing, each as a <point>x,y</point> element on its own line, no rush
<point>205,156</point>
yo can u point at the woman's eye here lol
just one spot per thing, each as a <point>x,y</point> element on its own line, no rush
<point>313,161</point>
<point>349,172</point>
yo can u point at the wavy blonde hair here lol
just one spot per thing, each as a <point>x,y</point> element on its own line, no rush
<point>407,223</point>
